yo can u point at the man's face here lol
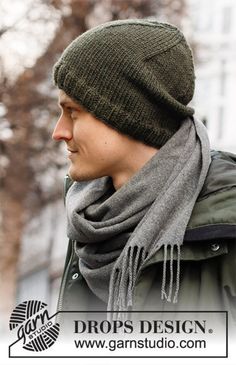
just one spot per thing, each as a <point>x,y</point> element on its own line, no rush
<point>94,149</point>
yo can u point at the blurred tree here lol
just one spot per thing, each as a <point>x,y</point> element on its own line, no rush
<point>31,165</point>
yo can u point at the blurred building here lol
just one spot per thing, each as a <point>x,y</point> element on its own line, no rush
<point>43,251</point>
<point>213,24</point>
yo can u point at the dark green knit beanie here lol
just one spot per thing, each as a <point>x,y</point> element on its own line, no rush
<point>135,75</point>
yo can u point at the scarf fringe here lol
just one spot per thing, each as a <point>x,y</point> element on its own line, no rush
<point>126,280</point>
<point>164,295</point>
<point>132,265</point>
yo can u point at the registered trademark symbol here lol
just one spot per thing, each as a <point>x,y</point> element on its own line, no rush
<point>210,330</point>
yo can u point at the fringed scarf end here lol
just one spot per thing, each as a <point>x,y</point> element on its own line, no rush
<point>164,296</point>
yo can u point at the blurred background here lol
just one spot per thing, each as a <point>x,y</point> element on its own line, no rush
<point>33,33</point>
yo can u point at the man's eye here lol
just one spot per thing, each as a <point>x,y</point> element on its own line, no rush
<point>71,111</point>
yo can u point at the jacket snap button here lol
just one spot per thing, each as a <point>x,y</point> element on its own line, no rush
<point>75,276</point>
<point>215,247</point>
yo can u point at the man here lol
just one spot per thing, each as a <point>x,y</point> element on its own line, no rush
<point>151,212</point>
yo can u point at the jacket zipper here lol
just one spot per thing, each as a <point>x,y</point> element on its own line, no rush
<point>63,284</point>
<point>67,184</point>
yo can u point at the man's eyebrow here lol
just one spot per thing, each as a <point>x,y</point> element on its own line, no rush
<point>64,103</point>
<point>69,103</point>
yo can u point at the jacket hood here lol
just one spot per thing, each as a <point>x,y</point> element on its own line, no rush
<point>214,214</point>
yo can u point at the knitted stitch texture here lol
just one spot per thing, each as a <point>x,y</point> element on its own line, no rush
<point>135,75</point>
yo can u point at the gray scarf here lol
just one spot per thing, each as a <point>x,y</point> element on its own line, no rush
<point>117,232</point>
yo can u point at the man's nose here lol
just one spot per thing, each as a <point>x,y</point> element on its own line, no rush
<point>62,130</point>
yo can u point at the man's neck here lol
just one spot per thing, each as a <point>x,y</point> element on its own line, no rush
<point>132,165</point>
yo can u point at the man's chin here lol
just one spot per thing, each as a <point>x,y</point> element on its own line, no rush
<point>75,176</point>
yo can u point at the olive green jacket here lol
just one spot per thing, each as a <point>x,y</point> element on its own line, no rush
<point>208,255</point>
